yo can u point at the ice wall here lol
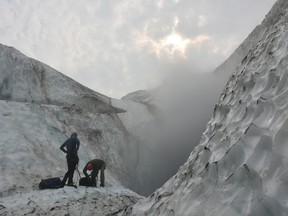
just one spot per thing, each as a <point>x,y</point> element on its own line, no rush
<point>40,108</point>
<point>24,79</point>
<point>240,165</point>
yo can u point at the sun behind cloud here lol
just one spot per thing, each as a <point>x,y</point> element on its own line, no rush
<point>174,43</point>
<point>171,45</point>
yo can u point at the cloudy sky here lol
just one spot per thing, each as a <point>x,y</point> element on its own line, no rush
<point>119,46</point>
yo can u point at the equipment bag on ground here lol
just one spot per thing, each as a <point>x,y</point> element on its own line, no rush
<point>85,182</point>
<point>51,183</point>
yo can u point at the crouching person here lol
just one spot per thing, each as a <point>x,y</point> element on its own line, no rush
<point>95,166</point>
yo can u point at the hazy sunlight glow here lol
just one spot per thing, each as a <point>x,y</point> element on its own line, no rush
<point>174,42</point>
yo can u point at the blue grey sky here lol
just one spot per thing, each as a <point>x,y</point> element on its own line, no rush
<point>120,46</point>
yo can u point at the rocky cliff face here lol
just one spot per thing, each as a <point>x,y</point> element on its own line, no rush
<point>240,165</point>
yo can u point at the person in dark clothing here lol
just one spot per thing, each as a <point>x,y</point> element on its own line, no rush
<point>94,166</point>
<point>72,145</point>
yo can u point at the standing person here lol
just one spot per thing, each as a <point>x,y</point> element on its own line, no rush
<point>72,145</point>
<point>94,166</point>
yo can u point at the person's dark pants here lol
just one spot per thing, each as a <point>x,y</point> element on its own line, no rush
<point>94,175</point>
<point>72,161</point>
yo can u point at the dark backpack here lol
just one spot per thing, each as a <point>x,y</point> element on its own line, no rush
<point>51,183</point>
<point>85,182</point>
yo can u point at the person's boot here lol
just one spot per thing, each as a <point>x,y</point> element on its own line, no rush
<point>71,185</point>
<point>62,184</point>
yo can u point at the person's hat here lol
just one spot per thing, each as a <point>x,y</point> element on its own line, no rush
<point>74,134</point>
<point>90,166</point>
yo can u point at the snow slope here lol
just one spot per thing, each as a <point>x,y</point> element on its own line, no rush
<point>69,201</point>
<point>39,109</point>
<point>240,166</point>
<point>27,80</point>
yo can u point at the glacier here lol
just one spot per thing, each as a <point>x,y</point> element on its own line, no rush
<point>238,168</point>
<point>240,164</point>
<point>39,109</point>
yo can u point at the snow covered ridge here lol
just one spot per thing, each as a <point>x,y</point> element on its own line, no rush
<point>24,79</point>
<point>240,166</point>
<point>270,20</point>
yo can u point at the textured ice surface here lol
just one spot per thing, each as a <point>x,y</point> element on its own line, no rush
<point>24,79</point>
<point>240,166</point>
<point>39,109</point>
<point>68,201</point>
<point>31,135</point>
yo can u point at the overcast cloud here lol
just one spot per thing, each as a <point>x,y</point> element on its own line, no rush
<point>116,47</point>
